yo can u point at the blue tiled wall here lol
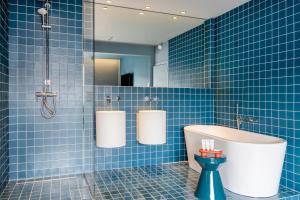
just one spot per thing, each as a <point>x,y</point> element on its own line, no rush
<point>184,106</point>
<point>250,54</point>
<point>258,66</point>
<point>3,95</point>
<point>39,147</point>
<point>189,58</point>
<point>60,146</point>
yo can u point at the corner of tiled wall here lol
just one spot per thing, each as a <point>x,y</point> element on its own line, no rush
<point>4,120</point>
<point>39,147</point>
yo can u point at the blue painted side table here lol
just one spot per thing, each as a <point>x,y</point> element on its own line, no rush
<point>210,185</point>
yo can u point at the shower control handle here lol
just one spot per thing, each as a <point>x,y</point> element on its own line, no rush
<point>46,26</point>
<point>46,94</point>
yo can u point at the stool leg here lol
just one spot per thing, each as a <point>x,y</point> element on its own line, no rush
<point>219,189</point>
<point>203,187</point>
<point>210,186</point>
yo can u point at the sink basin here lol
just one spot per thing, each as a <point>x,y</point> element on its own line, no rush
<point>110,129</point>
<point>151,126</point>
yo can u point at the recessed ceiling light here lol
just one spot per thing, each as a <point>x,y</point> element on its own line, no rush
<point>108,1</point>
<point>105,8</point>
<point>175,18</point>
<point>183,12</point>
<point>147,7</point>
<point>160,46</point>
<point>141,13</point>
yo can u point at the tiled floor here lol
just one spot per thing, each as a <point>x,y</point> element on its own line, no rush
<point>174,181</point>
<point>73,187</point>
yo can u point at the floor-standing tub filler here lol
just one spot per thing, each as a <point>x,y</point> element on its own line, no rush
<point>254,161</point>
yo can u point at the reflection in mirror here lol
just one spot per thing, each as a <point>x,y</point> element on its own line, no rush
<point>122,69</point>
<point>145,49</point>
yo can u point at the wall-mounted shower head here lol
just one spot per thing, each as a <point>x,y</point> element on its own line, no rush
<point>42,11</point>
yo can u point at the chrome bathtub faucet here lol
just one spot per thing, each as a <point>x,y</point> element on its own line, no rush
<point>239,121</point>
<point>243,119</point>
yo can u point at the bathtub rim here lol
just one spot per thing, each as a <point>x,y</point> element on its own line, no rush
<point>279,139</point>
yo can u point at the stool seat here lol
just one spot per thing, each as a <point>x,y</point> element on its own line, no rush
<point>210,185</point>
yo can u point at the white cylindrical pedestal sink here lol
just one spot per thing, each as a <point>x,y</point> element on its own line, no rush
<point>110,129</point>
<point>151,126</point>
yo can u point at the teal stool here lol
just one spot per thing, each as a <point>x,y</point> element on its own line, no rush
<point>210,185</point>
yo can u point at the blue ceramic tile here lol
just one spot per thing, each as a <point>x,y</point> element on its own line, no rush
<point>45,147</point>
<point>249,56</point>
<point>190,57</point>
<point>256,67</point>
<point>172,181</point>
<point>184,112</point>
<point>4,153</point>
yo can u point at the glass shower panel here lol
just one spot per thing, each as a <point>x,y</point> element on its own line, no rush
<point>88,94</point>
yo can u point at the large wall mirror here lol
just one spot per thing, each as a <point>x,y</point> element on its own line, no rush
<point>141,48</point>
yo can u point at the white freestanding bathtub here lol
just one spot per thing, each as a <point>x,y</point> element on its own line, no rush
<point>254,161</point>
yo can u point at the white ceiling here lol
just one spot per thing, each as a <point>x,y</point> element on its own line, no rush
<point>197,8</point>
<point>118,24</point>
<point>128,26</point>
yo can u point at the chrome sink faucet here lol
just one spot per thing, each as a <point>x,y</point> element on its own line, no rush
<point>109,99</point>
<point>150,99</point>
<point>241,119</point>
